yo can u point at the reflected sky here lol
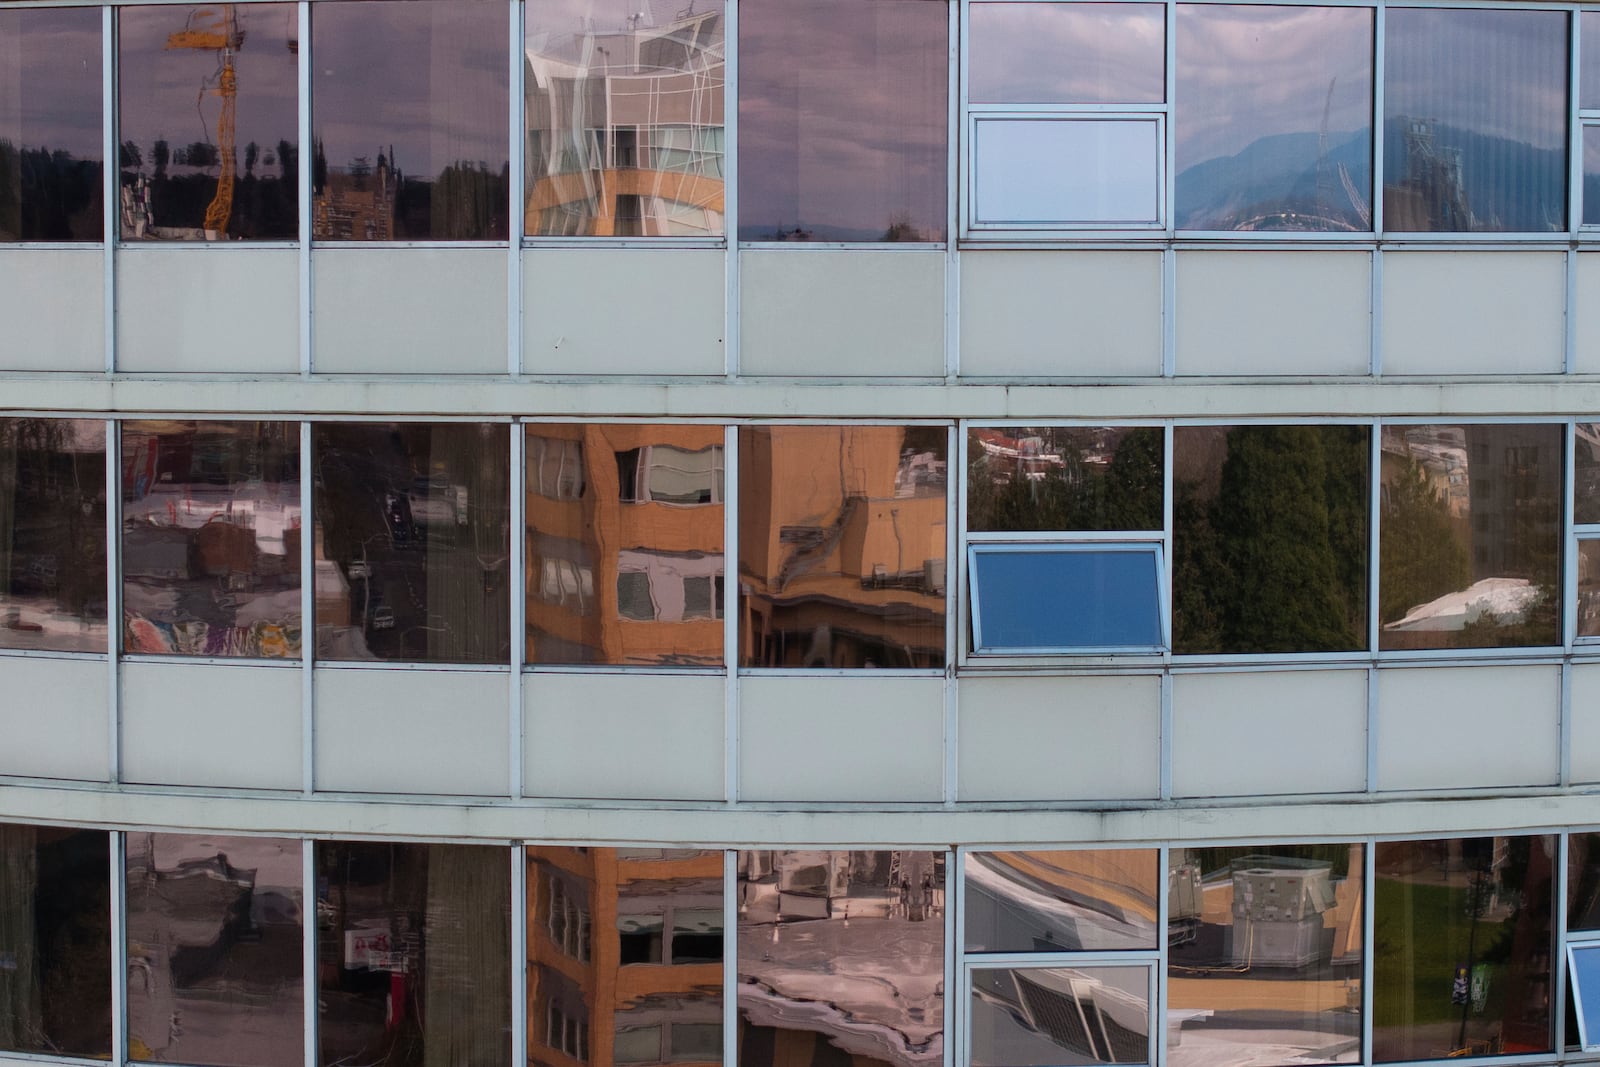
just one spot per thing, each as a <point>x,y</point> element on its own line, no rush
<point>50,71</point>
<point>1067,53</point>
<point>1589,51</point>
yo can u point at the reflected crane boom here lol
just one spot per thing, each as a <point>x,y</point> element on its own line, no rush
<point>221,35</point>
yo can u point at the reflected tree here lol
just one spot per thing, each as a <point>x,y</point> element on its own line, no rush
<point>1422,556</point>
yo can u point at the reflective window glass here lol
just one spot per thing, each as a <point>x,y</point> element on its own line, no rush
<point>1475,120</point>
<point>211,538</point>
<point>1462,947</point>
<point>1265,932</point>
<point>412,541</point>
<point>1589,60</point>
<point>625,955</point>
<point>51,139</point>
<point>1049,598</point>
<point>1269,539</point>
<point>1047,53</point>
<point>1588,587</point>
<point>215,944</point>
<point>1064,478</point>
<point>1047,1016</point>
<point>1088,900</point>
<point>208,122</point>
<point>1586,473</point>
<point>409,104</point>
<point>55,941</point>
<point>625,544</point>
<point>843,125</point>
<point>53,534</point>
<point>1583,881</point>
<point>842,545</point>
<point>413,954</point>
<point>841,956</point>
<point>624,121</point>
<point>1583,978</point>
<point>1469,536</point>
<point>1274,118</point>
<point>1591,175</point>
<point>1052,170</point>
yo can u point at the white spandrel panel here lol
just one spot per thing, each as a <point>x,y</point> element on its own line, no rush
<point>1464,312</point>
<point>1059,738</point>
<point>850,738</point>
<point>1057,313</point>
<point>208,724</point>
<point>53,718</point>
<point>208,310</point>
<point>1584,709</point>
<point>1265,733</point>
<point>1051,170</point>
<point>52,305</point>
<point>412,731</point>
<point>623,311</point>
<point>408,310</point>
<point>844,313</point>
<point>1264,312</point>
<point>1468,727</point>
<point>1586,315</point>
<point>624,736</point>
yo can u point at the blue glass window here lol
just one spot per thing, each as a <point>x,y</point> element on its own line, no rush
<point>1044,599</point>
<point>1584,961</point>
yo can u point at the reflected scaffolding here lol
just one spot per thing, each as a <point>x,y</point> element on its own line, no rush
<point>1078,900</point>
<point>625,544</point>
<point>1265,955</point>
<point>842,546</point>
<point>53,534</point>
<point>625,121</point>
<point>211,538</point>
<point>841,955</point>
<point>1049,1016</point>
<point>1064,478</point>
<point>215,944</point>
<point>413,954</point>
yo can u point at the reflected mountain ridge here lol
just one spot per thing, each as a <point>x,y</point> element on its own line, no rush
<point>1247,190</point>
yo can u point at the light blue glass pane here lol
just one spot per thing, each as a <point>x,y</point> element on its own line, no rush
<point>1067,600</point>
<point>1586,984</point>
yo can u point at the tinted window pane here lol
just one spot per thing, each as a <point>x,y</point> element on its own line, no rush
<point>1470,536</point>
<point>1475,120</point>
<point>1053,598</point>
<point>55,941</point>
<point>409,112</point>
<point>1588,587</point>
<point>1591,176</point>
<point>625,532</point>
<point>1064,478</point>
<point>1052,170</point>
<point>1274,118</point>
<point>1584,980</point>
<point>413,954</point>
<point>1583,881</point>
<point>1091,900</point>
<point>209,122</point>
<point>1589,70</point>
<point>1066,53</point>
<point>413,527</point>
<point>1270,539</point>
<point>50,127</point>
<point>841,956</point>
<point>214,950</point>
<point>1270,932</point>
<point>211,538</point>
<point>53,534</point>
<point>842,120</point>
<point>625,127</point>
<point>1586,473</point>
<point>842,546</point>
<point>1046,1016</point>
<point>1462,947</point>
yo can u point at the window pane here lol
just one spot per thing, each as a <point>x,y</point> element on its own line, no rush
<point>413,954</point>
<point>842,546</point>
<point>1265,932</point>
<point>1584,981</point>
<point>197,89</point>
<point>55,941</point>
<point>1470,536</point>
<point>413,541</point>
<point>1462,947</point>
<point>842,120</point>
<point>1046,1016</point>
<point>53,534</point>
<point>409,112</point>
<point>1589,68</point>
<point>214,950</point>
<point>1475,120</point>
<point>1583,881</point>
<point>1588,587</point>
<point>1270,539</point>
<point>841,955</point>
<point>1045,599</point>
<point>1089,900</point>
<point>1591,175</point>
<point>1055,170</point>
<point>51,142</point>
<point>1274,118</point>
<point>1064,478</point>
<point>1586,473</point>
<point>625,532</point>
<point>211,538</point>
<point>1039,53</point>
<point>625,126</point>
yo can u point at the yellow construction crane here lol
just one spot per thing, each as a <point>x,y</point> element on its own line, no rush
<point>220,34</point>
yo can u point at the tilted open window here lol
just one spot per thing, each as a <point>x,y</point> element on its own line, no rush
<point>1041,599</point>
